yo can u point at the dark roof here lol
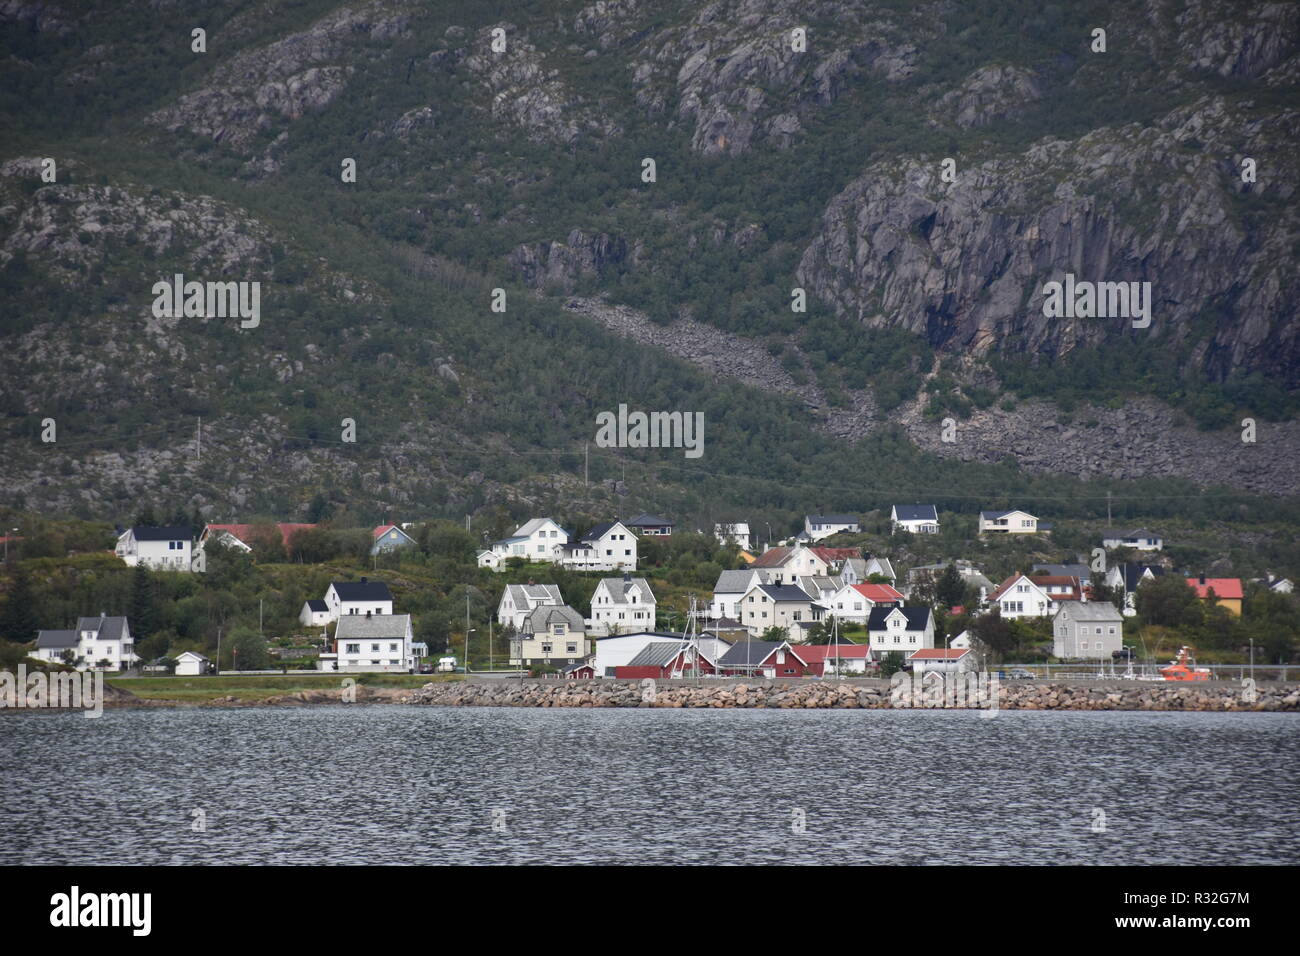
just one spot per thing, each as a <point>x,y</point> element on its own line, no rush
<point>1132,572</point>
<point>748,653</point>
<point>832,519</point>
<point>56,639</point>
<point>657,654</point>
<point>597,531</point>
<point>785,592</point>
<point>106,628</point>
<point>916,512</point>
<point>362,591</point>
<point>917,617</point>
<point>652,521</point>
<point>180,532</point>
<point>1080,571</point>
<point>317,604</point>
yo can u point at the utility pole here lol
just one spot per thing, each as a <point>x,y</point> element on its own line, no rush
<point>1108,509</point>
<point>586,463</point>
<point>467,631</point>
<point>259,616</point>
<point>218,667</point>
<point>199,440</point>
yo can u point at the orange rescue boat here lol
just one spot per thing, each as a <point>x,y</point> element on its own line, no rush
<point>1184,669</point>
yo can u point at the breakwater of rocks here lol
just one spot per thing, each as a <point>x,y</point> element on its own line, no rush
<point>866,695</point>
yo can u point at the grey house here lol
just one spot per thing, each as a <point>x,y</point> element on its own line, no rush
<point>1087,630</point>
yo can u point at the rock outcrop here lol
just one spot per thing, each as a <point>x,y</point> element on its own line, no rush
<point>964,264</point>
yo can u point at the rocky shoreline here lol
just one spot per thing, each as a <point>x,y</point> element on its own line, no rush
<point>857,695</point>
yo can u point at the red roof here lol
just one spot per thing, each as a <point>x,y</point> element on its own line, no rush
<point>248,532</point>
<point>1222,587</point>
<point>836,554</point>
<point>771,558</point>
<point>938,654</point>
<point>879,593</point>
<point>1043,581</point>
<point>383,529</point>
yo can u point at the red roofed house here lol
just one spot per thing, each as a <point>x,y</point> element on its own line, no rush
<point>1227,591</point>
<point>663,660</point>
<point>1023,596</point>
<point>787,564</point>
<point>244,536</point>
<point>945,660</point>
<point>854,602</point>
<point>835,557</point>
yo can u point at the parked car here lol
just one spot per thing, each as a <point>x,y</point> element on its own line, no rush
<point>1019,673</point>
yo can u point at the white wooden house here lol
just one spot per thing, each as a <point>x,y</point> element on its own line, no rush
<point>916,519</point>
<point>899,630</point>
<point>816,527</point>
<point>96,643</point>
<point>610,546</point>
<point>622,604</point>
<point>1008,522</point>
<point>158,548</point>
<point>1087,630</point>
<point>520,600</point>
<point>358,598</point>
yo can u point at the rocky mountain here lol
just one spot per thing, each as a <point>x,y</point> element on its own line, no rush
<point>852,213</point>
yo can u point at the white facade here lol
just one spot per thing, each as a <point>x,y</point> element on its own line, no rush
<point>607,547</point>
<point>899,630</point>
<point>737,531</point>
<point>190,664</point>
<point>314,614</point>
<point>784,606</point>
<point>519,600</point>
<point>918,519</point>
<point>1008,522</point>
<point>539,539</point>
<point>1140,540</point>
<point>160,549</point>
<point>851,605</point>
<point>817,527</point>
<point>1023,598</point>
<point>340,607</point>
<point>96,643</point>
<point>731,587</point>
<point>379,643</point>
<point>623,604</point>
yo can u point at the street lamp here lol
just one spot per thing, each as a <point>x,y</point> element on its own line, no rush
<point>7,533</point>
<point>467,634</point>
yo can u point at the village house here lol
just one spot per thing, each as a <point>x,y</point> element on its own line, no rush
<point>167,548</point>
<point>618,650</point>
<point>1023,596</point>
<point>1226,592</point>
<point>96,643</point>
<point>1126,578</point>
<point>861,570</point>
<point>622,604</point>
<point>520,600</point>
<point>1079,570</point>
<point>1087,630</point>
<point>1139,539</point>
<point>1009,522</point>
<point>778,605</point>
<point>731,587</point>
<point>766,659</point>
<point>737,532</point>
<point>835,660</point>
<point>817,527</point>
<point>822,588</point>
<point>787,564</point>
<point>389,537</point>
<point>667,660</point>
<point>551,635</point>
<point>315,613</point>
<point>941,660</point>
<point>917,519</point>
<point>651,525</point>
<point>190,664</point>
<point>352,598</point>
<point>242,537</point>
<point>539,539</point>
<point>853,602</point>
<point>899,629</point>
<point>371,643</point>
<point>607,547</point>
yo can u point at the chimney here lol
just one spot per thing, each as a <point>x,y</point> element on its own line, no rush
<point>627,575</point>
<point>1202,579</point>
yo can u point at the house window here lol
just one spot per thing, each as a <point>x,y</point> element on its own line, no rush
<point>546,648</point>
<point>352,649</point>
